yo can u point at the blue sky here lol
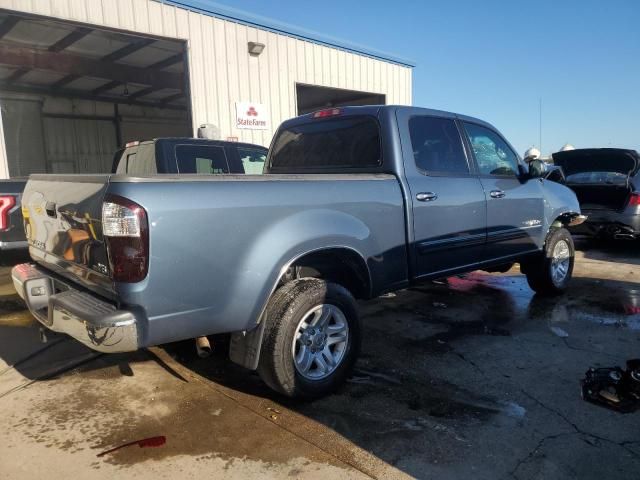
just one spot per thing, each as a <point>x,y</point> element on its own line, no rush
<point>496,59</point>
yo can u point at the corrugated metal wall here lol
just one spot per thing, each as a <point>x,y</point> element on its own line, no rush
<point>221,70</point>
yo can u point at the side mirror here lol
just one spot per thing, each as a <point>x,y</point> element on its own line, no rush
<point>537,168</point>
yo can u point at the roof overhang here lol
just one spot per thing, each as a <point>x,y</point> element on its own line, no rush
<point>213,9</point>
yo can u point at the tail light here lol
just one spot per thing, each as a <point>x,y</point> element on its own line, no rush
<point>634,200</point>
<point>7,202</point>
<point>126,231</point>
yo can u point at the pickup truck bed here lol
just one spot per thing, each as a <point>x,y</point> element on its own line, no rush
<point>355,202</point>
<point>211,225</point>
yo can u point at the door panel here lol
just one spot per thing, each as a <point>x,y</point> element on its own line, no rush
<point>448,205</point>
<point>515,207</point>
<point>514,221</point>
<point>450,231</point>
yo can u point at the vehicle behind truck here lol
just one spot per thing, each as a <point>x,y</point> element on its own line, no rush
<point>607,184</point>
<point>354,202</point>
<point>177,155</point>
<point>172,155</point>
<point>11,225</point>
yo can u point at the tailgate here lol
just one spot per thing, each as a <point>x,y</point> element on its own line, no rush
<point>63,223</point>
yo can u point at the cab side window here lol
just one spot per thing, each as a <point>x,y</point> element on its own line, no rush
<point>493,155</point>
<point>437,146</point>
<point>201,159</point>
<point>252,160</point>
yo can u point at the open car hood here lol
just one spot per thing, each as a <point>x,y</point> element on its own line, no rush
<point>598,160</point>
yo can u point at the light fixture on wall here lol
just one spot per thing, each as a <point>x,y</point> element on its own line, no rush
<point>255,48</point>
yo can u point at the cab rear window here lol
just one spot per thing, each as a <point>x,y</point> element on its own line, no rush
<point>329,144</point>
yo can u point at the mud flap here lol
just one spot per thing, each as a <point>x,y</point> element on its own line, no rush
<point>244,348</point>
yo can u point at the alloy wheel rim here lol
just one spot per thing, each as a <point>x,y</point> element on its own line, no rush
<point>560,262</point>
<point>320,342</point>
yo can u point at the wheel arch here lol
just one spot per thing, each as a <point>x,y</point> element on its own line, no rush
<point>339,264</point>
<point>245,347</point>
<point>567,219</point>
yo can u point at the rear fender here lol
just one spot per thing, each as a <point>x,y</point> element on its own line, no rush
<point>287,241</point>
<point>293,237</point>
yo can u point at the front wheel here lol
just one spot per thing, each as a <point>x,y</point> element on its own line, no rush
<point>550,272</point>
<point>311,338</point>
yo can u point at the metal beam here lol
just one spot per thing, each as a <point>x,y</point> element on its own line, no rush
<point>8,25</point>
<point>16,75</point>
<point>141,93</point>
<point>106,87</point>
<point>4,86</point>
<point>67,63</point>
<point>166,100</point>
<point>78,34</point>
<point>167,62</point>
<point>64,81</point>
<point>127,50</point>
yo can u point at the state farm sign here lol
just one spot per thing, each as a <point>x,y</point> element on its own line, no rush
<point>251,116</point>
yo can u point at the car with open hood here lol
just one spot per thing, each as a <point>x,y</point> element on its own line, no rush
<point>607,184</point>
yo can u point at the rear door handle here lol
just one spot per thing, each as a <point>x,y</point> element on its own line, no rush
<point>426,196</point>
<point>497,194</point>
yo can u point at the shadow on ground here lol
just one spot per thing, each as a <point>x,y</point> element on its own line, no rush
<point>623,251</point>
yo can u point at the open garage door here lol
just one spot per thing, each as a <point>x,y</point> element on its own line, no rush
<point>312,97</point>
<point>72,94</point>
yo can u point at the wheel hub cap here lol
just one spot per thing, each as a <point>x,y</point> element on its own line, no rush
<point>320,342</point>
<point>560,262</point>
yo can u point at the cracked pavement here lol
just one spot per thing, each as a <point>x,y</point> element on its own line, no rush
<point>472,377</point>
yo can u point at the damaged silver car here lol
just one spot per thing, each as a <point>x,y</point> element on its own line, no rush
<point>607,184</point>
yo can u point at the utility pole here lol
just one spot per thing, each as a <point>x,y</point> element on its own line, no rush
<point>540,124</point>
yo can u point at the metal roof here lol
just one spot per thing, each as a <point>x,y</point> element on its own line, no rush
<point>62,59</point>
<point>213,9</point>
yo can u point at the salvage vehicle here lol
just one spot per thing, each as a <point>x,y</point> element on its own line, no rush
<point>607,184</point>
<point>177,155</point>
<point>11,227</point>
<point>355,202</point>
<point>158,156</point>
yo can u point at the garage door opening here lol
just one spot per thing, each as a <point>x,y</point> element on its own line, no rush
<point>312,98</point>
<point>72,94</point>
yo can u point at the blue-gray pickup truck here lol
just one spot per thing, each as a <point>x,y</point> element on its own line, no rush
<point>354,202</point>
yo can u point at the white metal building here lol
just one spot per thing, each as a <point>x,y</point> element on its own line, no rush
<point>79,78</point>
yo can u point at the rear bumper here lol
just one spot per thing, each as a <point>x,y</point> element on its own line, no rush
<point>17,245</point>
<point>61,308</point>
<point>610,223</point>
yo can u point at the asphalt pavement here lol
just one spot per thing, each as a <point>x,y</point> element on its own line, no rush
<point>469,377</point>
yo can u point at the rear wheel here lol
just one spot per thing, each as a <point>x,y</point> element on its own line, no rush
<point>311,338</point>
<point>550,272</point>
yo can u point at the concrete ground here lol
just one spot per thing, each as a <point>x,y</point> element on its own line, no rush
<point>473,377</point>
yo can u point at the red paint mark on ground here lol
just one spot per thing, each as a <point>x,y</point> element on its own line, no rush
<point>150,442</point>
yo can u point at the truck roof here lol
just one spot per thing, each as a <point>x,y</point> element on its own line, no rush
<point>381,109</point>
<point>192,140</point>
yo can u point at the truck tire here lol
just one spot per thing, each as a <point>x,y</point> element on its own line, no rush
<point>550,272</point>
<point>311,339</point>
